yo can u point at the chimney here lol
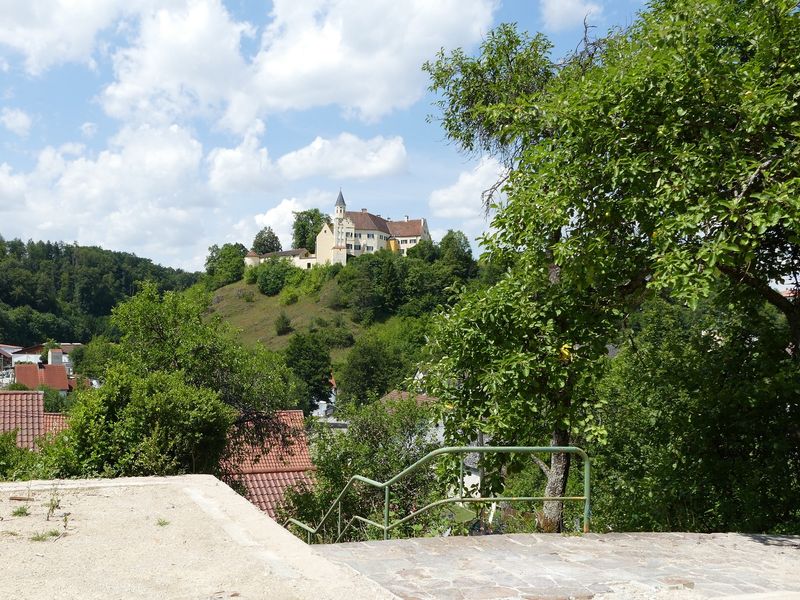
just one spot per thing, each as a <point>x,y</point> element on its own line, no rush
<point>406,216</point>
<point>55,356</point>
<point>363,210</point>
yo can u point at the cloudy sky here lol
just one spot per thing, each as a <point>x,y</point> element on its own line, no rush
<point>160,127</point>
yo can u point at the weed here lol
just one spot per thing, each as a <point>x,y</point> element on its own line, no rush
<point>11,533</point>
<point>21,511</point>
<point>162,522</point>
<point>45,535</point>
<point>53,503</point>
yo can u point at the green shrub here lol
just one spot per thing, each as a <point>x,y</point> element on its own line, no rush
<point>289,296</point>
<point>283,324</point>
<point>274,274</point>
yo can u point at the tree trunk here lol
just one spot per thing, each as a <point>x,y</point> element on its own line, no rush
<point>552,516</point>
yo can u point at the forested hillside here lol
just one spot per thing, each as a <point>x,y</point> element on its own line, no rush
<point>65,291</point>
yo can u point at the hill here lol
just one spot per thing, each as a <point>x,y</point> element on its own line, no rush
<point>53,290</point>
<point>254,314</point>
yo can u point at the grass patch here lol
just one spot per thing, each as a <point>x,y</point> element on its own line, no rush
<point>20,511</point>
<point>43,536</point>
<point>162,522</point>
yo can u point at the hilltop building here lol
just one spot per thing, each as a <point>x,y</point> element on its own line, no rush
<point>352,233</point>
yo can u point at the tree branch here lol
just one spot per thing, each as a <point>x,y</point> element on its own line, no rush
<point>771,295</point>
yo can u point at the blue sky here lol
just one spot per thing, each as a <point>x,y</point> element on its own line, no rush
<point>160,127</point>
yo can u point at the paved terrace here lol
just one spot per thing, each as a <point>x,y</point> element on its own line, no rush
<point>193,537</point>
<point>611,566</point>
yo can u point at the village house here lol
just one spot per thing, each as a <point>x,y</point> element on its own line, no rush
<point>23,412</point>
<point>352,233</point>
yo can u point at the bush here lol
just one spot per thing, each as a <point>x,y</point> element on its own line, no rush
<point>289,296</point>
<point>251,274</point>
<point>283,324</point>
<point>273,275</point>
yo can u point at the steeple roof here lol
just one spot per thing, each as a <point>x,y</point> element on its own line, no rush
<point>340,199</point>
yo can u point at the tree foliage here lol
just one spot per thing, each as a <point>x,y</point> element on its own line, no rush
<point>307,224</point>
<point>224,265</point>
<point>53,290</point>
<point>266,241</point>
<point>381,440</point>
<point>309,358</point>
<point>661,156</point>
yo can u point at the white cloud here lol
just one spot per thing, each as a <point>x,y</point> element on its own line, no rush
<point>563,14</point>
<point>51,32</point>
<point>246,168</point>
<point>89,129</point>
<point>184,61</point>
<point>16,121</point>
<point>281,216</point>
<point>362,56</point>
<point>346,156</point>
<point>463,200</point>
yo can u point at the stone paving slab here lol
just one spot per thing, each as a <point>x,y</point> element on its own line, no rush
<point>609,566</point>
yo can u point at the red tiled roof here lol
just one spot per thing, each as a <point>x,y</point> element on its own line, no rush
<point>266,476</point>
<point>411,228</point>
<point>420,398</point>
<point>54,422</point>
<point>365,220</point>
<point>266,490</point>
<point>22,411</point>
<point>32,376</point>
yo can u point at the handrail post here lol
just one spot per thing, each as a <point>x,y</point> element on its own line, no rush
<point>586,492</point>
<point>461,477</point>
<point>386,513</point>
<point>339,523</point>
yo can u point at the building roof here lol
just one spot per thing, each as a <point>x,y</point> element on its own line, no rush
<point>293,252</point>
<point>54,422</point>
<point>340,199</point>
<point>399,395</point>
<point>22,411</point>
<point>266,476</point>
<point>32,376</point>
<point>410,228</point>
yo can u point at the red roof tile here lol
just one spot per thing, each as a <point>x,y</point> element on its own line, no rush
<point>420,398</point>
<point>267,490</point>
<point>410,228</point>
<point>22,411</point>
<point>266,476</point>
<point>54,422</point>
<point>32,376</point>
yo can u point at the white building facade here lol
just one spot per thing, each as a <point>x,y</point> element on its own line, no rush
<point>353,233</point>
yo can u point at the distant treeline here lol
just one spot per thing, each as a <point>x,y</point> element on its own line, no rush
<point>53,290</point>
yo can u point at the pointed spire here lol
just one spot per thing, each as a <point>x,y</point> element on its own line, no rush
<point>340,199</point>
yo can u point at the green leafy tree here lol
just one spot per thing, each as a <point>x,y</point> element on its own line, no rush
<point>307,224</point>
<point>225,265</point>
<point>274,274</point>
<point>380,441</point>
<point>456,253</point>
<point>701,412</point>
<point>661,156</point>
<point>266,241</point>
<point>283,324</point>
<point>309,358</point>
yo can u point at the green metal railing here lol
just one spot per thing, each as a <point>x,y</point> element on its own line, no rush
<point>386,526</point>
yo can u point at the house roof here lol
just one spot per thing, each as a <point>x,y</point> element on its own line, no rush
<point>32,376</point>
<point>400,395</point>
<point>410,228</point>
<point>54,422</point>
<point>266,476</point>
<point>22,411</point>
<point>364,220</point>
<point>293,252</point>
<point>340,199</point>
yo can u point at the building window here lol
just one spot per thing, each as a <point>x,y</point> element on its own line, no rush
<point>357,247</point>
<point>308,265</point>
<point>349,234</point>
<point>403,251</point>
<point>370,235</point>
<point>369,248</point>
<point>403,242</point>
<point>358,235</point>
<point>349,246</point>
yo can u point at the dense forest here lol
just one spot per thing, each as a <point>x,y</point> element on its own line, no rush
<point>53,290</point>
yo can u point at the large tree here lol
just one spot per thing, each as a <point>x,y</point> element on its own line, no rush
<point>665,155</point>
<point>266,241</point>
<point>307,224</point>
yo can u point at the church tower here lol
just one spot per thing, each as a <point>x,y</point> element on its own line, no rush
<point>338,221</point>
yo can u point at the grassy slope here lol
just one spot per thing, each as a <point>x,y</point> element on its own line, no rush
<point>256,320</point>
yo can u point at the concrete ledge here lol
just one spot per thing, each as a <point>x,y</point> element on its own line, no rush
<point>174,537</point>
